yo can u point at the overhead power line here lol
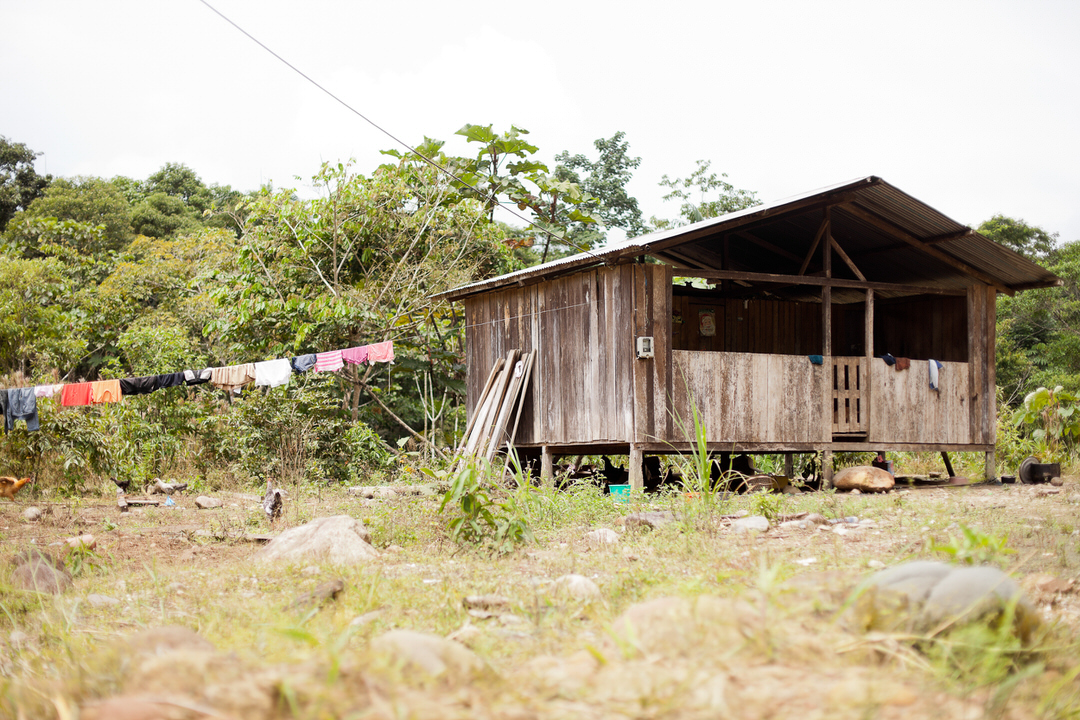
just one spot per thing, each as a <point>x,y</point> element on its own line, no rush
<point>493,198</point>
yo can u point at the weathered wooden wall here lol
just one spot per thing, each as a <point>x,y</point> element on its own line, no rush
<point>582,326</point>
<point>750,397</point>
<point>905,410</point>
<point>754,326</point>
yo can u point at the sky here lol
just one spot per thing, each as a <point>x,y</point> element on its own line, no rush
<point>971,107</point>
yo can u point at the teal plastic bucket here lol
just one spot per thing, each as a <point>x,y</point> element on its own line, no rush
<point>620,493</point>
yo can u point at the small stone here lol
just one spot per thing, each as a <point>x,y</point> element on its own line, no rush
<point>791,490</point>
<point>876,564</point>
<point>394,549</point>
<point>795,525</point>
<point>603,537</point>
<point>817,519</point>
<point>754,523</point>
<point>32,514</point>
<point>511,619</point>
<point>318,597</point>
<point>467,634</point>
<point>805,562</point>
<point>340,540</point>
<point>17,637</point>
<point>578,587</point>
<point>856,491</point>
<point>40,572</point>
<point>1045,491</point>
<point>1057,481</point>
<point>648,520</point>
<point>101,600</point>
<point>366,619</point>
<point>205,502</point>
<point>486,602</point>
<point>84,542</point>
<point>1050,584</point>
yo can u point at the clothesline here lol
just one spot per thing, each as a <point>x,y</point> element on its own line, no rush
<point>21,403</point>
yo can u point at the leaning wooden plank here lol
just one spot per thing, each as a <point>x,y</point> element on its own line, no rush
<point>530,360</point>
<point>484,422</point>
<point>510,399</point>
<point>482,411</point>
<point>479,403</point>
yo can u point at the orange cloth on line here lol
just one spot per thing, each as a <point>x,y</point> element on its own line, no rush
<point>232,377</point>
<point>105,391</point>
<point>76,394</point>
<point>903,363</point>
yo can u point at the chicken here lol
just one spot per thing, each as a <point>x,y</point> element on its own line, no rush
<point>122,485</point>
<point>9,486</point>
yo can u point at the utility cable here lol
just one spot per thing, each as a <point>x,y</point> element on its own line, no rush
<point>492,198</point>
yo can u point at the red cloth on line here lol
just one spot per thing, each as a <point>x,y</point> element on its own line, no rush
<point>75,394</point>
<point>355,355</point>
<point>381,352</point>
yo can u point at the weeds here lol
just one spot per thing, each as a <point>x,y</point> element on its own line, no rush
<point>480,521</point>
<point>974,548</point>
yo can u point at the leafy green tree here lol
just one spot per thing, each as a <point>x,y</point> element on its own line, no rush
<point>161,216</point>
<point>179,181</point>
<point>35,325</point>
<point>20,183</point>
<point>605,180</point>
<point>495,173</point>
<point>1028,240</point>
<point>90,201</point>
<point>704,195</point>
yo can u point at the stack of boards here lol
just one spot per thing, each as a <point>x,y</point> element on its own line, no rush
<point>503,395</point>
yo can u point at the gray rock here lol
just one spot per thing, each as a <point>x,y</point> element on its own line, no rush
<point>99,601</point>
<point>318,597</point>
<point>603,537</point>
<point>924,596</point>
<point>671,625</point>
<point>205,502</point>
<point>366,619</point>
<point>754,523</point>
<point>339,540</point>
<point>649,520</point>
<point>32,514</point>
<point>429,654</point>
<point>38,571</point>
<point>864,478</point>
<point>81,542</point>
<point>578,587</point>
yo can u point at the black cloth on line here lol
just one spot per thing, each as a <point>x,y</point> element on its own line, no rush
<point>21,405</point>
<point>197,378</point>
<point>137,385</point>
<point>168,380</point>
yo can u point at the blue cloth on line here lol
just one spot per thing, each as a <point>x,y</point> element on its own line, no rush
<point>21,405</point>
<point>816,359</point>
<point>303,363</point>
<point>934,367</point>
<point>889,359</point>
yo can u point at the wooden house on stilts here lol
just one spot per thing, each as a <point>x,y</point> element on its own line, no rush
<point>774,320</point>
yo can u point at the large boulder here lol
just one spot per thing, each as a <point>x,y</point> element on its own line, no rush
<point>428,654</point>
<point>864,478</point>
<point>39,571</point>
<point>671,626</point>
<point>926,596</point>
<point>339,540</point>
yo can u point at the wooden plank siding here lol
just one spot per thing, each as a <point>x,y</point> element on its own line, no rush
<point>749,397</point>
<point>581,327</point>
<point>906,410</point>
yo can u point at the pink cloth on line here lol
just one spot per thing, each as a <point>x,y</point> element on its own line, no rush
<point>381,352</point>
<point>328,361</point>
<point>355,355</point>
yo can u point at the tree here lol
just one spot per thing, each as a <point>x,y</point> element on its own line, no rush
<point>1029,240</point>
<point>37,333</point>
<point>605,181</point>
<point>90,201</point>
<point>162,216</point>
<point>179,181</point>
<point>20,183</point>
<point>702,183</point>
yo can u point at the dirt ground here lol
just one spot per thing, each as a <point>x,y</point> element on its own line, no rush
<point>781,648</point>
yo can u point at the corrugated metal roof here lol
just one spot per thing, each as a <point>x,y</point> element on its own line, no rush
<point>894,213</point>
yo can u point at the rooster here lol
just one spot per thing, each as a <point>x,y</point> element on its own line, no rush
<point>273,502</point>
<point>9,486</point>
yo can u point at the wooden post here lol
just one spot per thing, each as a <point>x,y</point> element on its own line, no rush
<point>948,464</point>
<point>868,347</point>
<point>789,465</point>
<point>991,466</point>
<point>826,469</point>
<point>637,477</point>
<point>547,466</point>
<point>826,333</point>
<point>991,380</point>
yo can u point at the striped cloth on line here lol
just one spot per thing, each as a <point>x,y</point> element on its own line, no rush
<point>328,361</point>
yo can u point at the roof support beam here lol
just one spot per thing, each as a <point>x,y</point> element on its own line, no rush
<point>918,244</point>
<point>844,256</point>
<point>817,238</point>
<point>824,282</point>
<point>937,239</point>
